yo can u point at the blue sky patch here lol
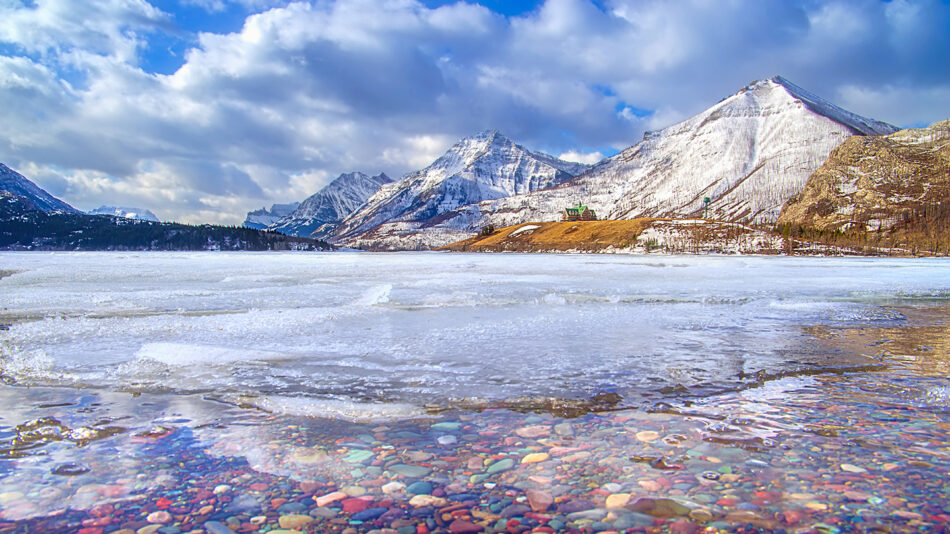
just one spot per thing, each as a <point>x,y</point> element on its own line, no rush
<point>509,8</point>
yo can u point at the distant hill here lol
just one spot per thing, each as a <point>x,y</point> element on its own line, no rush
<point>24,226</point>
<point>17,184</point>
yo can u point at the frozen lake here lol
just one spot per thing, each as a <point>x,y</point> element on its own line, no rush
<point>357,335</point>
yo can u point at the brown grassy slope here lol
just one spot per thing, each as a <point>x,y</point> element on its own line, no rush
<point>888,191</point>
<point>669,236</point>
<point>587,236</point>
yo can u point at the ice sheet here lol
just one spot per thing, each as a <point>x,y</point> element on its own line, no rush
<point>429,329</point>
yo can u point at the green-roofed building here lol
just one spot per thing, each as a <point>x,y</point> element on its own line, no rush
<point>578,213</point>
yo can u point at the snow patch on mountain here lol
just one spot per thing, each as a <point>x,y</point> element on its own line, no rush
<point>17,184</point>
<point>125,212</point>
<point>319,215</point>
<point>262,218</point>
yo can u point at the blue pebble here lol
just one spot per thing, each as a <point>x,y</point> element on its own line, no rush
<point>419,488</point>
<point>244,504</point>
<point>514,510</point>
<point>424,511</point>
<point>291,508</point>
<point>369,514</point>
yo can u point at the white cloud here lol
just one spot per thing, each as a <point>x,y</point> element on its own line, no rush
<point>899,104</point>
<point>108,27</point>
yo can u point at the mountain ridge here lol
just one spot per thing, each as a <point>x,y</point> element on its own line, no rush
<point>262,218</point>
<point>319,214</point>
<point>125,212</point>
<point>17,184</point>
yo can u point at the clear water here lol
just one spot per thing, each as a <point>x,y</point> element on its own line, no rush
<point>363,335</point>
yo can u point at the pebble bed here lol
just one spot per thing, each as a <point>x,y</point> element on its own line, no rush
<point>849,452</point>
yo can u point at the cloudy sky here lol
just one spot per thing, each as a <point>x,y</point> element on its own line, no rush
<point>203,109</point>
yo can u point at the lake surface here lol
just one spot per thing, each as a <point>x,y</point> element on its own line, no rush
<point>291,377</point>
<point>352,334</point>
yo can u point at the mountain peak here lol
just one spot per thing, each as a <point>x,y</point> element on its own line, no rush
<point>488,135</point>
<point>858,124</point>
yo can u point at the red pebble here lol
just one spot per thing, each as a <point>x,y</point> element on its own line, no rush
<point>683,527</point>
<point>258,486</point>
<point>543,529</point>
<point>90,530</point>
<point>726,502</point>
<point>274,503</point>
<point>355,505</point>
<point>460,526</point>
<point>421,528</point>
<point>163,503</point>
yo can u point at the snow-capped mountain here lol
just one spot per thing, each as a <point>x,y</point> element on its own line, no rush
<point>748,154</point>
<point>126,212</point>
<point>262,218</point>
<point>319,215</point>
<point>484,167</point>
<point>15,183</point>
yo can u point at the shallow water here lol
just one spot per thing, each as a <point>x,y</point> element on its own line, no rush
<point>829,447</point>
